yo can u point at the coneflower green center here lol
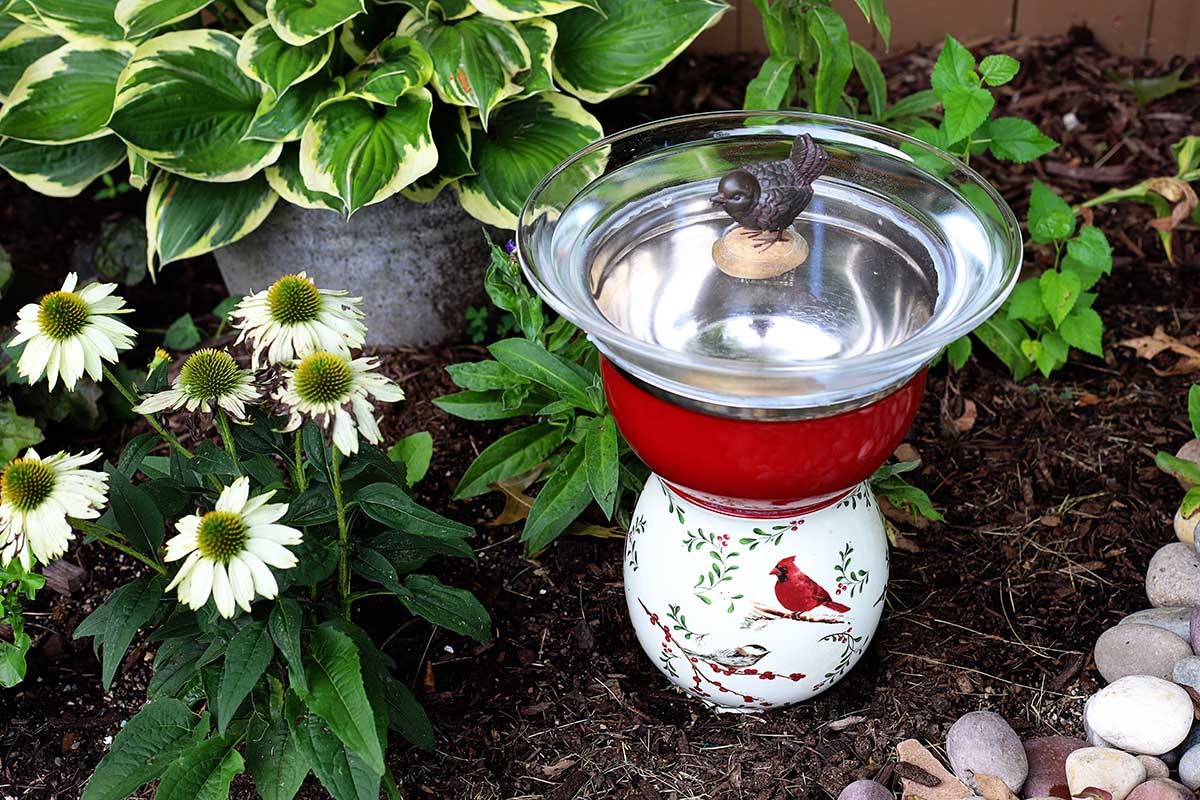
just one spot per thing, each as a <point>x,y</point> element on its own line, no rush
<point>62,315</point>
<point>26,483</point>
<point>322,378</point>
<point>293,299</point>
<point>221,536</point>
<point>209,373</point>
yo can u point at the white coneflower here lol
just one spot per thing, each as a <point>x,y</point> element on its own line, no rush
<point>293,318</point>
<point>229,550</point>
<point>68,333</point>
<point>334,387</point>
<point>207,376</point>
<point>36,497</point>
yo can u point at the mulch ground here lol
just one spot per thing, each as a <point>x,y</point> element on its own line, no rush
<point>1052,503</point>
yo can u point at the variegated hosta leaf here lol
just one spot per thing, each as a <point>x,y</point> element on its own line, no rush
<point>277,64</point>
<point>140,17</point>
<point>475,60</point>
<point>527,9</point>
<point>452,137</point>
<point>301,21</point>
<point>404,65</point>
<point>283,119</point>
<point>361,35</point>
<point>8,24</point>
<point>186,218</point>
<point>253,10</point>
<point>72,19</point>
<point>139,169</point>
<point>22,12</point>
<point>529,138</point>
<point>285,178</point>
<point>540,36</point>
<point>23,45</point>
<point>184,105</point>
<point>599,56</point>
<point>67,94</point>
<point>450,9</point>
<point>60,170</point>
<point>362,153</point>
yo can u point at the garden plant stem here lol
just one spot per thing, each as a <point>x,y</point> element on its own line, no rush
<point>298,475</point>
<point>343,534</point>
<point>102,534</point>
<point>227,438</point>
<point>133,401</point>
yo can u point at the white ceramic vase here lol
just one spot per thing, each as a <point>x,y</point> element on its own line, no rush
<point>750,613</point>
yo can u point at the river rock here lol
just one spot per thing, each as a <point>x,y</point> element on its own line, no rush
<point>1137,649</point>
<point>866,790</point>
<point>1160,789</point>
<point>1194,626</point>
<point>1176,620</point>
<point>1047,757</point>
<point>1185,527</point>
<point>1189,768</point>
<point>1112,770</point>
<point>1141,714</point>
<point>949,787</point>
<point>1187,672</point>
<point>1155,767</point>
<point>983,742</point>
<point>1173,577</point>
<point>1093,738</point>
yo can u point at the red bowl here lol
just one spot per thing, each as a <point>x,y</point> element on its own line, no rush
<point>777,461</point>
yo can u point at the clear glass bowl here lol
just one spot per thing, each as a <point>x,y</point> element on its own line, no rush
<point>909,250</point>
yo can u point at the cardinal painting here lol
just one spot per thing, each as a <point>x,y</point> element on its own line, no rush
<point>799,593</point>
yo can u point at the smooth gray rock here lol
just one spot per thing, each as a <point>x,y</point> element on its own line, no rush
<point>1155,767</point>
<point>1189,768</point>
<point>866,790</point>
<point>1190,741</point>
<point>417,266</point>
<point>1173,577</point>
<point>1176,620</point>
<point>1194,626</point>
<point>983,742</point>
<point>1113,771</point>
<point>1047,757</point>
<point>1141,714</point>
<point>1136,649</point>
<point>1160,789</point>
<point>1187,672</point>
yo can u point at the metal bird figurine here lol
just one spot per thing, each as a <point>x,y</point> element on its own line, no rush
<point>767,197</point>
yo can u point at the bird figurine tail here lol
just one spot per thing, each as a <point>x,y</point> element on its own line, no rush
<point>838,607</point>
<point>809,157</point>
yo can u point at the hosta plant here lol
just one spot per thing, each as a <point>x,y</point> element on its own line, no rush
<point>256,552</point>
<point>221,109</point>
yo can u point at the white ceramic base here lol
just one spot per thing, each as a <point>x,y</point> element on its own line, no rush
<point>726,607</point>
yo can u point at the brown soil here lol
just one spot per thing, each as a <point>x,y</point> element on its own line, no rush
<point>1052,502</point>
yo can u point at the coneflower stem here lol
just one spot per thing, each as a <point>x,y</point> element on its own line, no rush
<point>101,534</point>
<point>298,473</point>
<point>227,438</point>
<point>335,481</point>
<point>133,401</point>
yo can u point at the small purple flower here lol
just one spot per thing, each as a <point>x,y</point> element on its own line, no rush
<point>510,247</point>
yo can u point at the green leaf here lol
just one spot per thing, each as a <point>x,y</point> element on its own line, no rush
<point>872,79</point>
<point>246,659</point>
<point>12,655</point>
<point>1190,502</point>
<point>1003,337</point>
<point>1089,256</point>
<point>66,95</point>
<point>284,626</point>
<point>1017,140</point>
<point>136,450</point>
<point>958,351</point>
<point>531,360</point>
<point>1194,409</point>
<point>601,56</point>
<point>128,608</point>
<point>475,60</point>
<point>1025,303</point>
<point>452,137</point>
<point>541,37</point>
<point>299,22</point>
<point>274,757</point>
<point>1179,467</point>
<point>182,334</point>
<point>415,451</point>
<point>1186,152</point>
<point>526,9</point>
<point>512,454</point>
<point>912,105</point>
<point>828,30</point>
<point>363,154</point>
<point>1147,90</point>
<point>602,462</point>
<point>485,405</point>
<point>1060,291</point>
<point>336,694</point>
<point>137,517</point>
<point>75,19</point>
<point>770,87</point>
<point>185,106</point>
<point>905,495</point>
<point>284,177</point>
<point>390,505</point>
<point>277,64</point>
<point>525,141</point>
<point>16,432</point>
<point>186,218</point>
<point>955,66</point>
<point>341,771</point>
<point>998,69</point>
<point>404,65</point>
<point>408,551</point>
<point>405,715</point>
<point>142,750</point>
<point>452,608</point>
<point>482,376</point>
<point>1050,218</point>
<point>966,109</point>
<point>203,772</point>
<point>559,503</point>
<point>19,48</point>
<point>140,17</point>
<point>283,119</point>
<point>1084,329</point>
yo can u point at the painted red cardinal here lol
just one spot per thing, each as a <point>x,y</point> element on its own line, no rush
<point>800,593</point>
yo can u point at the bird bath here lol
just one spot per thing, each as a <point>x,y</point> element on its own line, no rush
<point>756,564</point>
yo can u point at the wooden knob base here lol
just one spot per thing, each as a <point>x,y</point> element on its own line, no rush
<point>740,255</point>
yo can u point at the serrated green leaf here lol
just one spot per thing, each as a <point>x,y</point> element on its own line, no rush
<point>452,608</point>
<point>203,772</point>
<point>966,108</point>
<point>998,69</point>
<point>1050,218</point>
<point>16,432</point>
<point>1060,291</point>
<point>1089,256</point>
<point>142,750</point>
<point>1018,140</point>
<point>1025,302</point>
<point>955,66</point>
<point>1084,329</point>
<point>274,758</point>
<point>246,659</point>
<point>284,626</point>
<point>1003,337</point>
<point>126,610</point>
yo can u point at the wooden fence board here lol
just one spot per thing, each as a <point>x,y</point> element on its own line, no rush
<point>1175,29</point>
<point>1122,25</point>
